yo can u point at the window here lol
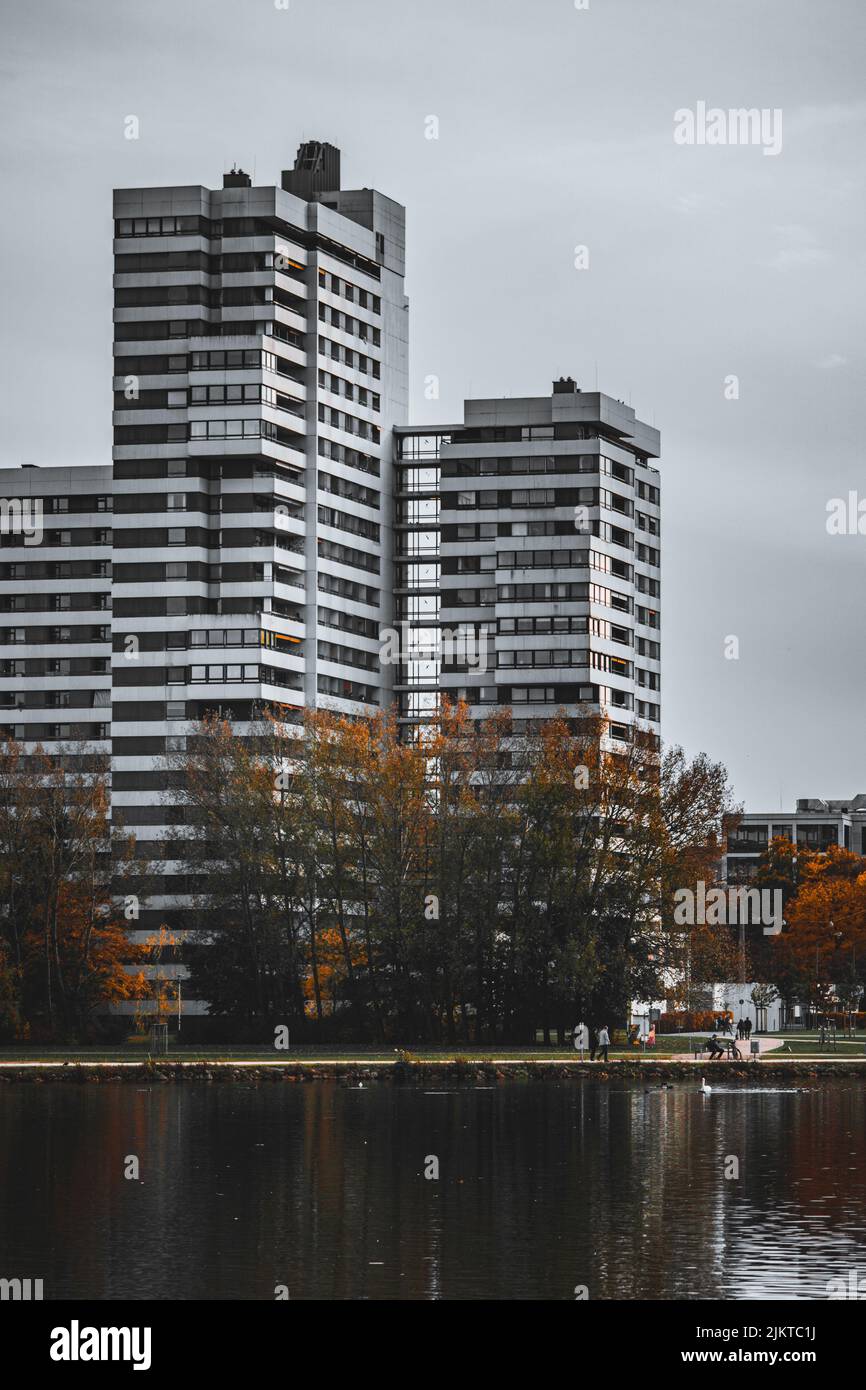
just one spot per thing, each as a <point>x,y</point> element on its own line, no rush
<point>747,839</point>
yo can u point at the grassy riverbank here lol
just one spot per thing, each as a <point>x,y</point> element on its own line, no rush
<point>668,1051</point>
<point>414,1069</point>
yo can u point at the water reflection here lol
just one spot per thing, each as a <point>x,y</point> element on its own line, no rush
<point>543,1187</point>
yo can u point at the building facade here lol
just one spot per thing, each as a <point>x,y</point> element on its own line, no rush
<point>261,340</point>
<point>815,824</point>
<point>237,553</point>
<point>528,560</point>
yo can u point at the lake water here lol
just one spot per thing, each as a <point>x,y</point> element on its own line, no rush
<point>542,1188</point>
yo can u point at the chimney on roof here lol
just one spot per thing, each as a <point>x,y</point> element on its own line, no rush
<point>317,170</point>
<point>565,385</point>
<point>236,178</point>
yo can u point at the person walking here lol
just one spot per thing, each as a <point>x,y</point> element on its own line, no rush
<point>603,1042</point>
<point>581,1040</point>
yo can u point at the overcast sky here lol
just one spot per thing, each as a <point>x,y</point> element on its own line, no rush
<point>556,130</point>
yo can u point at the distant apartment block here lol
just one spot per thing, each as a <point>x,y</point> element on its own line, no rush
<point>815,824</point>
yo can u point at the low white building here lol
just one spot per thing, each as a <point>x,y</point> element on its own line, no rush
<point>764,1018</point>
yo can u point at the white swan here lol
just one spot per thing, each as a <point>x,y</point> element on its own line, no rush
<point>705,1089</point>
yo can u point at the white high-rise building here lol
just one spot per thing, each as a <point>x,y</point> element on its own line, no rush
<point>529,560</point>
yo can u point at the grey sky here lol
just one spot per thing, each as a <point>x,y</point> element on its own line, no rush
<point>555,129</point>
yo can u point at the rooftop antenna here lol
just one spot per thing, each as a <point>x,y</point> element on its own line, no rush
<point>596,374</point>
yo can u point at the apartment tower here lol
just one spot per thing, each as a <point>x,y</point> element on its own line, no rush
<point>528,561</point>
<point>260,365</point>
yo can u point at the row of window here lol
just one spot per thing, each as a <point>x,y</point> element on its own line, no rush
<point>339,386</point>
<point>347,588</point>
<point>53,603</point>
<point>162,226</point>
<point>645,585</point>
<point>235,393</point>
<point>353,293</point>
<point>347,555</point>
<point>753,838</point>
<point>224,637</point>
<point>544,497</point>
<point>345,521</point>
<point>348,656</point>
<point>616,665</point>
<point>56,569</point>
<point>344,487</point>
<point>60,506</point>
<point>35,636</point>
<point>545,592</point>
<point>220,359</point>
<point>55,666</point>
<point>195,225</point>
<point>235,429</point>
<point>347,690</point>
<point>576,623</point>
<point>553,656</point>
<point>540,463</point>
<point>647,555</point>
<point>45,733</point>
<point>530,694</point>
<point>354,458</point>
<point>347,323</point>
<point>489,530</point>
<point>348,622</point>
<point>350,357</point>
<point>223,674</point>
<point>82,535</point>
<point>349,424</point>
<point>647,710</point>
<point>650,680</point>
<point>55,699</point>
<point>647,523</point>
<point>644,646</point>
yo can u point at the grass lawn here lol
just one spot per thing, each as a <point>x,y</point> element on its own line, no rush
<point>798,1046</point>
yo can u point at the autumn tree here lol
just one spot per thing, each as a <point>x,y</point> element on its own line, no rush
<point>826,933</point>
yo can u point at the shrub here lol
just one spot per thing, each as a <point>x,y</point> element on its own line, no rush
<point>691,1020</point>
